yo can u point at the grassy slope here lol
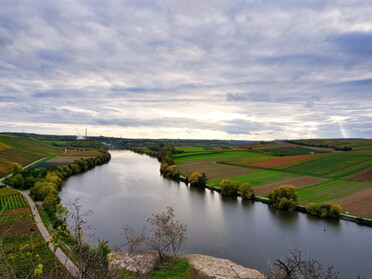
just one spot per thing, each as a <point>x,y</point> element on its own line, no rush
<point>23,151</point>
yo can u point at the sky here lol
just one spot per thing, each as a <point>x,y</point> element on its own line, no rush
<point>211,69</point>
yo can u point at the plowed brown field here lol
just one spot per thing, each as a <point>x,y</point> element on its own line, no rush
<point>280,161</point>
<point>358,204</point>
<point>213,170</point>
<point>364,175</point>
<point>298,182</point>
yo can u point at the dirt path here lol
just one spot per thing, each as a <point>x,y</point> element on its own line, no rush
<point>70,266</point>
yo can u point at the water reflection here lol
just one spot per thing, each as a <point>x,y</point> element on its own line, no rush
<point>129,189</point>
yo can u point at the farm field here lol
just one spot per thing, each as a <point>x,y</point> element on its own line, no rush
<point>23,151</point>
<point>261,178</point>
<point>364,175</point>
<point>21,239</point>
<point>339,176</point>
<point>333,166</point>
<point>299,182</point>
<point>207,163</point>
<point>281,161</point>
<point>331,190</point>
<point>11,199</point>
<point>292,151</point>
<point>221,156</point>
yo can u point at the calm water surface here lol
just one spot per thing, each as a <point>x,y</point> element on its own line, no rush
<point>129,189</point>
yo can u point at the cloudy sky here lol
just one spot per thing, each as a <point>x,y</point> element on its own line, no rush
<point>211,69</point>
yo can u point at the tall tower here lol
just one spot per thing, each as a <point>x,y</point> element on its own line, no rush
<point>86,133</point>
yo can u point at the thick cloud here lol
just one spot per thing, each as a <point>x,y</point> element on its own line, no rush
<point>171,68</point>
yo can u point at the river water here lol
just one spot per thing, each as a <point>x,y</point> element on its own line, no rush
<point>128,189</point>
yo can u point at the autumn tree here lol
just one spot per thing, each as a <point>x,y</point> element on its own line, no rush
<point>246,191</point>
<point>284,197</point>
<point>197,179</point>
<point>229,188</point>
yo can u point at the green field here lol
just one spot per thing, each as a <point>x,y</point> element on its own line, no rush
<point>220,156</point>
<point>333,166</point>
<point>11,199</point>
<point>259,179</point>
<point>13,202</point>
<point>331,190</point>
<point>59,142</point>
<point>23,151</point>
<point>291,151</point>
<point>191,148</point>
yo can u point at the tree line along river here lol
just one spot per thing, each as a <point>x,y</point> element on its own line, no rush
<point>128,189</point>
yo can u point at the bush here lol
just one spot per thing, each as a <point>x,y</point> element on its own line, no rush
<point>284,197</point>
<point>229,188</point>
<point>246,191</point>
<point>324,210</point>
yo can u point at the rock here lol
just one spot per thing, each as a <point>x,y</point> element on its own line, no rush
<point>139,263</point>
<point>206,266</point>
<point>216,268</point>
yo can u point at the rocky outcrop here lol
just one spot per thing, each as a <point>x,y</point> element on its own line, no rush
<point>139,263</point>
<point>216,268</point>
<point>207,266</point>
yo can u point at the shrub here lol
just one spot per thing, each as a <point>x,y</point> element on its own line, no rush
<point>229,188</point>
<point>284,197</point>
<point>246,191</point>
<point>324,210</point>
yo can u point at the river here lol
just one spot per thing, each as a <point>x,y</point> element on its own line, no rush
<point>128,189</point>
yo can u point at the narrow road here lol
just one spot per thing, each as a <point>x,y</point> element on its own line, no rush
<point>70,266</point>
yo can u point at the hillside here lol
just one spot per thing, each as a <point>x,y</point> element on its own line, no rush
<point>14,149</point>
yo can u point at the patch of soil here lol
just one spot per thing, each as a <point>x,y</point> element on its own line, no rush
<point>364,175</point>
<point>18,228</point>
<point>280,161</point>
<point>19,211</point>
<point>215,170</point>
<point>358,204</point>
<point>299,182</point>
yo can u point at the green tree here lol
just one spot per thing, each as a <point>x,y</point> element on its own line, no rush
<point>229,188</point>
<point>246,191</point>
<point>284,197</point>
<point>17,181</point>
